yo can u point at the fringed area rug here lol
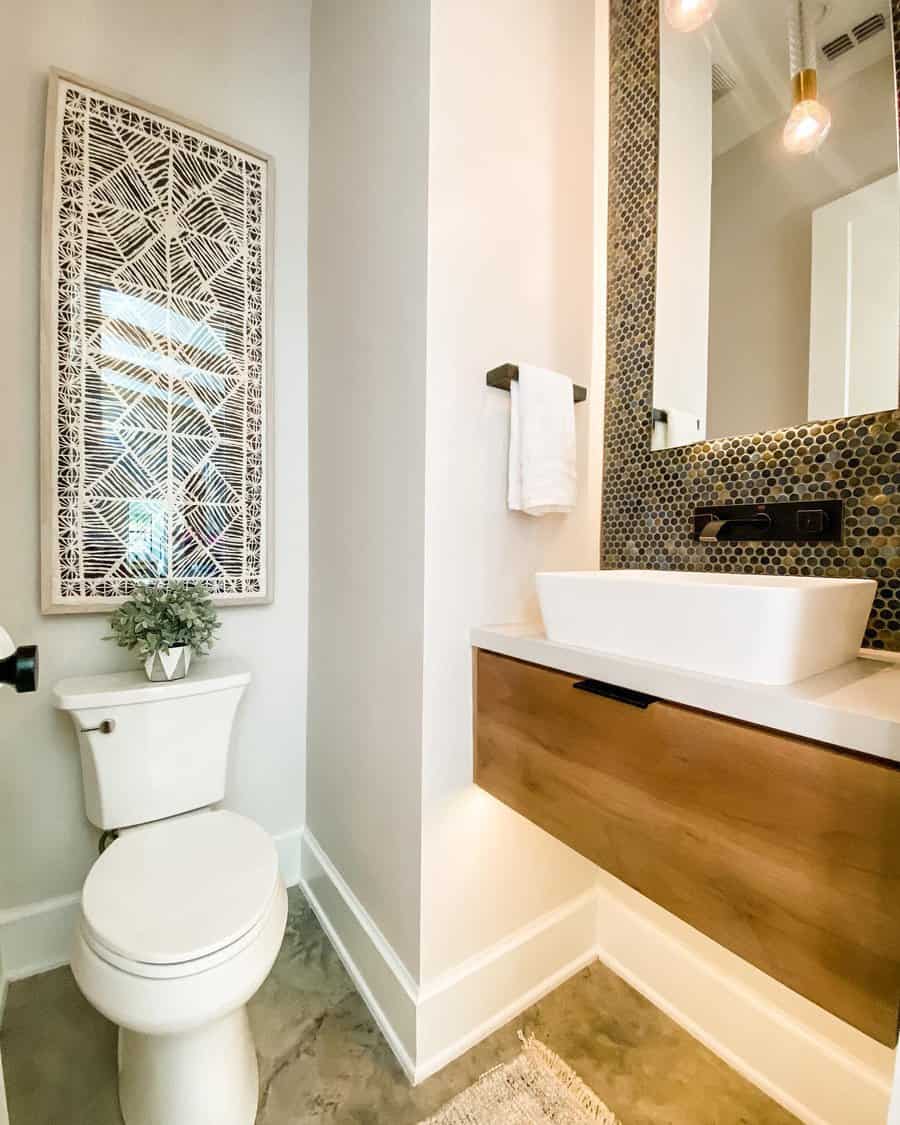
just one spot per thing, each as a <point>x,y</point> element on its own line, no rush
<point>536,1088</point>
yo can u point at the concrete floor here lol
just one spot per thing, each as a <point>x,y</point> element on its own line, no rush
<point>322,1059</point>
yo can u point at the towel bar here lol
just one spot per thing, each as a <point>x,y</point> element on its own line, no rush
<point>503,375</point>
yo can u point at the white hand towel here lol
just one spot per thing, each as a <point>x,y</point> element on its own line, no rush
<point>542,474</point>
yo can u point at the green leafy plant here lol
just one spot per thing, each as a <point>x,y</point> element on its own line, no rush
<point>159,617</point>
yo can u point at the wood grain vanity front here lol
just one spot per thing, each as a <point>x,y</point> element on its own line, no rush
<point>785,851</point>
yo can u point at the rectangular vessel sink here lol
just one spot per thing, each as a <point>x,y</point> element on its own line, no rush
<point>762,629</point>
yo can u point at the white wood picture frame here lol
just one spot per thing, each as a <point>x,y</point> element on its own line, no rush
<point>156,381</point>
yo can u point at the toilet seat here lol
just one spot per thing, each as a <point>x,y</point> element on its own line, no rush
<point>178,897</point>
<point>182,968</point>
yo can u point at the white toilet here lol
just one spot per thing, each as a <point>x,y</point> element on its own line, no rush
<point>183,914</point>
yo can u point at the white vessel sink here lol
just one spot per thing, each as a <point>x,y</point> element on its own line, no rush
<point>759,628</point>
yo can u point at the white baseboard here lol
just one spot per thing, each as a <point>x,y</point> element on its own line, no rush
<point>428,1027</point>
<point>4,1114</point>
<point>815,1065</point>
<point>380,976</point>
<point>466,1005</point>
<point>4,987</point>
<point>290,850</point>
<point>37,937</point>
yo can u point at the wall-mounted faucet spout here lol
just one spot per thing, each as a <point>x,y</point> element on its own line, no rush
<point>712,530</point>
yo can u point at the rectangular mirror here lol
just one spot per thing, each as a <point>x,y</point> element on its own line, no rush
<point>778,270</point>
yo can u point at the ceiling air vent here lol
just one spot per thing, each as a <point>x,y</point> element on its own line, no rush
<point>722,82</point>
<point>869,27</point>
<point>860,33</point>
<point>836,47</point>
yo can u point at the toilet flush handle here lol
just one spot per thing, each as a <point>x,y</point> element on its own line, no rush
<point>106,727</point>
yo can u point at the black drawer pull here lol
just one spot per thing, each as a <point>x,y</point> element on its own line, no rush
<point>614,692</point>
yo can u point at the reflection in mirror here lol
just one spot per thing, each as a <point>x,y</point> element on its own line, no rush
<point>778,272</point>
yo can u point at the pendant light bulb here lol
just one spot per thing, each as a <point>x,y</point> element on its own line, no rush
<point>807,127</point>
<point>688,15</point>
<point>810,122</point>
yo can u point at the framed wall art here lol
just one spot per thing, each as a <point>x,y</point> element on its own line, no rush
<point>156,386</point>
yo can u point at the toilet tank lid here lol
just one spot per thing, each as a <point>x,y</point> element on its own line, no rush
<point>117,689</point>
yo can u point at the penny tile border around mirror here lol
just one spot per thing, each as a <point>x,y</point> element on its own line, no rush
<point>649,497</point>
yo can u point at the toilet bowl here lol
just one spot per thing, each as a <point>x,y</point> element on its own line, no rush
<point>181,922</point>
<point>183,914</point>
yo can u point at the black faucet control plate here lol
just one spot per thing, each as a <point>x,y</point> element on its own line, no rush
<point>792,521</point>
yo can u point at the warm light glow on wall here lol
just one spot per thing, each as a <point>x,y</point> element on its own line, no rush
<point>688,15</point>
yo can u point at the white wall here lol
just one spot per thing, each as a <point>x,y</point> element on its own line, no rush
<point>682,295</point>
<point>451,207</point>
<point>451,162</point>
<point>510,279</point>
<point>369,179</point>
<point>242,70</point>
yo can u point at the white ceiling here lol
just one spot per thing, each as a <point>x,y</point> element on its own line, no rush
<point>749,39</point>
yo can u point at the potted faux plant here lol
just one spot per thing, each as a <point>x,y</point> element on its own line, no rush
<point>165,625</point>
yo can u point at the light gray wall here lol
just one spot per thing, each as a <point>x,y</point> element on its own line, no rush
<point>243,70</point>
<point>367,260</point>
<point>762,203</point>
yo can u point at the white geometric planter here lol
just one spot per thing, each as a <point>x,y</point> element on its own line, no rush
<point>171,664</point>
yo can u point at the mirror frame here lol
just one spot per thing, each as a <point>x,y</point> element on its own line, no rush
<point>649,496</point>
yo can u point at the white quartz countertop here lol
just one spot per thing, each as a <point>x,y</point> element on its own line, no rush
<point>856,706</point>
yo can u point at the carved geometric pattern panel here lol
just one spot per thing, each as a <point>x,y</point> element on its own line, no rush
<point>649,496</point>
<point>155,355</point>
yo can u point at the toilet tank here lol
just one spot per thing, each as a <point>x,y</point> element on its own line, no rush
<point>152,750</point>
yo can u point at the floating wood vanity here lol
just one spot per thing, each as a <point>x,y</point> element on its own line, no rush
<point>784,849</point>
